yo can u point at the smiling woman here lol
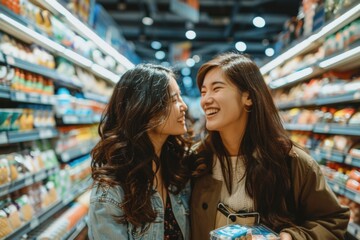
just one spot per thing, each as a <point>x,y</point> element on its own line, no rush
<point>141,177</point>
<point>248,163</point>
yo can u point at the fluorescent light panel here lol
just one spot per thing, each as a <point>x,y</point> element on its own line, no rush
<point>332,26</point>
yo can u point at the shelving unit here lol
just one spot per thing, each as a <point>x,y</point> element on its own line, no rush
<point>342,60</point>
<point>76,157</point>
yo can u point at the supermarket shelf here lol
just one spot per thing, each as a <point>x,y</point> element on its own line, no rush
<point>49,212</point>
<point>332,128</point>
<point>316,38</point>
<point>18,96</point>
<point>354,161</point>
<point>76,152</point>
<point>26,181</point>
<point>75,119</point>
<point>23,136</point>
<point>344,98</point>
<point>336,187</point>
<point>298,127</point>
<point>41,70</point>
<point>308,72</point>
<point>13,25</point>
<point>334,156</point>
<point>96,97</point>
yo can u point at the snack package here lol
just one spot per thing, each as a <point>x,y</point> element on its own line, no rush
<point>240,232</point>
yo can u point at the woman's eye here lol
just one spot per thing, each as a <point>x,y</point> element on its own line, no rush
<point>202,93</point>
<point>217,89</point>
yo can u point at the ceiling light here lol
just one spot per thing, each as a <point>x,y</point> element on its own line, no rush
<point>156,45</point>
<point>160,55</point>
<point>190,34</point>
<point>190,62</point>
<point>240,46</point>
<point>269,52</point>
<point>188,83</point>
<point>147,21</point>
<point>196,58</point>
<point>259,22</point>
<point>185,71</point>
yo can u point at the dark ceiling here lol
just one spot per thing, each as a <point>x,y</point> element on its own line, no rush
<point>221,24</point>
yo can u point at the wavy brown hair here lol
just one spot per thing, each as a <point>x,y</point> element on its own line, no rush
<point>265,145</point>
<point>124,154</point>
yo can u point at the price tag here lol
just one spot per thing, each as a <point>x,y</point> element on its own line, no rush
<point>356,95</point>
<point>34,223</point>
<point>3,138</point>
<point>84,150</point>
<point>328,155</point>
<point>326,128</point>
<point>10,60</point>
<point>20,96</point>
<point>44,99</point>
<point>70,119</point>
<point>45,133</point>
<point>336,188</point>
<point>33,98</point>
<point>348,159</point>
<point>51,100</point>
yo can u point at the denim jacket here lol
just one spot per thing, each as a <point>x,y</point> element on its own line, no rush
<point>105,202</point>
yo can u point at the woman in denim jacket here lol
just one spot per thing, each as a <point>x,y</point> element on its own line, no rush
<point>141,180</point>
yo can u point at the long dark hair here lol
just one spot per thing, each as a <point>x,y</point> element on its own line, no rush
<point>265,145</point>
<point>124,155</point>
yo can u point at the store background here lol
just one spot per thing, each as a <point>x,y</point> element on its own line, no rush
<point>60,59</point>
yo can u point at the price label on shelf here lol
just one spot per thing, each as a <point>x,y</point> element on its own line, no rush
<point>10,60</point>
<point>20,96</point>
<point>356,95</point>
<point>3,138</point>
<point>326,128</point>
<point>70,119</point>
<point>328,155</point>
<point>348,159</point>
<point>40,176</point>
<point>44,99</point>
<point>336,188</point>
<point>34,222</point>
<point>45,133</point>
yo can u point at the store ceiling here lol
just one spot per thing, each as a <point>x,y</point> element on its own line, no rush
<point>221,24</point>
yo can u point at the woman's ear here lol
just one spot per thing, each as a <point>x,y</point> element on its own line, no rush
<point>247,100</point>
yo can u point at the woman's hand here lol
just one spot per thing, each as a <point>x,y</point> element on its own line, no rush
<point>285,236</point>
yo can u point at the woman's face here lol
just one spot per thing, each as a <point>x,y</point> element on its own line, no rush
<point>175,123</point>
<point>223,103</point>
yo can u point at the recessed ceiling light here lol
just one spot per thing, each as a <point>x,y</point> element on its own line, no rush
<point>259,22</point>
<point>156,45</point>
<point>147,21</point>
<point>269,52</point>
<point>160,55</point>
<point>190,34</point>
<point>190,62</point>
<point>240,46</point>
